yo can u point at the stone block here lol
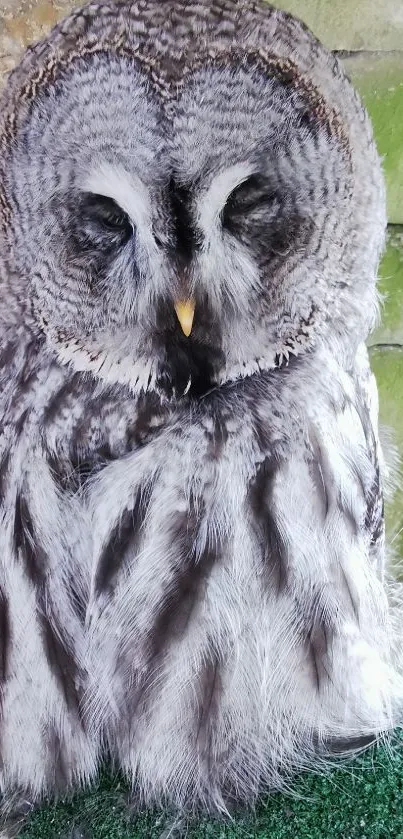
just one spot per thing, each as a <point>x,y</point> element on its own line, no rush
<point>379,79</point>
<point>351,24</point>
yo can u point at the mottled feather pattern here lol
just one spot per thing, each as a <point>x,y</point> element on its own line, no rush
<point>208,577</point>
<point>192,564</point>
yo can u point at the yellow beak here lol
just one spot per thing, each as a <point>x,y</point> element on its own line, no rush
<point>185,310</point>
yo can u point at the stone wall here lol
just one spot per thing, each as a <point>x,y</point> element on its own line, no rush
<point>352,25</point>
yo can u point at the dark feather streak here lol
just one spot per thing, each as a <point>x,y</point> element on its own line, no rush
<point>218,438</point>
<point>353,603</point>
<point>180,600</point>
<point>124,538</point>
<point>274,551</point>
<point>317,646</point>
<point>5,635</point>
<point>7,354</point>
<point>4,468</point>
<point>20,421</point>
<point>60,659</point>
<point>320,474</point>
<point>59,399</point>
<point>211,690</point>
<point>25,545</point>
<point>374,518</point>
<point>60,774</point>
<point>192,569</point>
<point>345,745</point>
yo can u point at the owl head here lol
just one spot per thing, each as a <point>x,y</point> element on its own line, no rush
<point>189,194</point>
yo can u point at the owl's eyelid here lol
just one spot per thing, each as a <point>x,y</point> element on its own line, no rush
<point>214,198</point>
<point>105,211</point>
<point>262,201</point>
<point>126,189</point>
<point>253,190</point>
<point>105,206</point>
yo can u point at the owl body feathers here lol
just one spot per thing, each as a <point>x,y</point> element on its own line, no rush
<point>192,533</point>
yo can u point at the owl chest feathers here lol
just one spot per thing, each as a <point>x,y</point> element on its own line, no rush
<point>240,476</point>
<point>168,557</point>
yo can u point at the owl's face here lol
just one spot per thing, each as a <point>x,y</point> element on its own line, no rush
<point>174,238</point>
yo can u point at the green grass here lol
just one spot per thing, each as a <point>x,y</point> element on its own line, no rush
<point>361,800</point>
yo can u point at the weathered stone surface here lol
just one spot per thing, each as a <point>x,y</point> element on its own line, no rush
<point>379,79</point>
<point>23,22</point>
<point>390,331</point>
<point>351,24</point>
<point>387,361</point>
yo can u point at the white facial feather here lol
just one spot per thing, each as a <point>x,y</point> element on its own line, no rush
<point>212,201</point>
<point>125,188</point>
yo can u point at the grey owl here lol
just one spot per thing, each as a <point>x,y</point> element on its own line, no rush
<point>192,566</point>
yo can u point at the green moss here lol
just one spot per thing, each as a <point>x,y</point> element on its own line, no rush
<point>362,800</point>
<point>379,80</point>
<point>390,330</point>
<point>387,362</point>
<point>351,24</point>
<point>387,365</point>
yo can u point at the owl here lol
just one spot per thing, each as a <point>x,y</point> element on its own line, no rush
<point>192,564</point>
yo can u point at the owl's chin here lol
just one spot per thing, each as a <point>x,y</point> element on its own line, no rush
<point>189,367</point>
<point>178,369</point>
<point>200,382</point>
<point>195,386</point>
